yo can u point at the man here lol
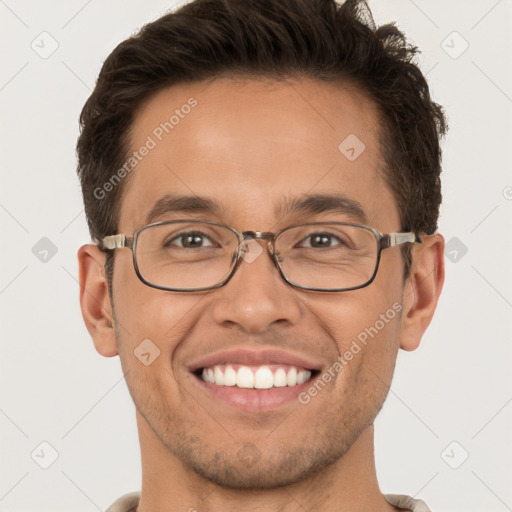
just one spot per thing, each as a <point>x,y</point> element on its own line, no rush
<point>262,182</point>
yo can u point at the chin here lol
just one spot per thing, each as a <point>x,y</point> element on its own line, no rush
<point>249,469</point>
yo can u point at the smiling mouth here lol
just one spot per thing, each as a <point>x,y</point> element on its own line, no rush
<point>255,377</point>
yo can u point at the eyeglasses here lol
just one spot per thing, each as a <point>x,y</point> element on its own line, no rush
<point>196,255</point>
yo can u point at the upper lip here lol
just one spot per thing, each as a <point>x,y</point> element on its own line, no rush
<point>256,358</point>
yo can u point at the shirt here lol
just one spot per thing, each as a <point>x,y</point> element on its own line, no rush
<point>129,502</point>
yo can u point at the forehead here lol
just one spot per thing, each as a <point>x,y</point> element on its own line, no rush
<point>254,146</point>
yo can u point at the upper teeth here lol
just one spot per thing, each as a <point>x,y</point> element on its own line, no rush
<point>261,377</point>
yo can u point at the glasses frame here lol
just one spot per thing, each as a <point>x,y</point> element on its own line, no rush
<point>384,241</point>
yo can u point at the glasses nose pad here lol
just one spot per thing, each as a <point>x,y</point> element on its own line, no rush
<point>240,252</point>
<point>275,255</point>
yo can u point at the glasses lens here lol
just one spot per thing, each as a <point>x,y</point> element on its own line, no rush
<point>189,255</point>
<point>327,256</point>
<point>185,255</point>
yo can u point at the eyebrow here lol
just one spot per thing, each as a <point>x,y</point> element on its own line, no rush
<point>308,204</point>
<point>314,204</point>
<point>171,203</point>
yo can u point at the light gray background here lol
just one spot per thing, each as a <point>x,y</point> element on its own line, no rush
<point>56,388</point>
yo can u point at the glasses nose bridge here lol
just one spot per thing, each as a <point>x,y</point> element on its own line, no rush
<point>268,236</point>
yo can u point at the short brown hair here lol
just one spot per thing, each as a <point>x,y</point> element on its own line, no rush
<point>318,39</point>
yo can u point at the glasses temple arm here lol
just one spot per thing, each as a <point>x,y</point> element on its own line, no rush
<point>114,242</point>
<point>392,239</point>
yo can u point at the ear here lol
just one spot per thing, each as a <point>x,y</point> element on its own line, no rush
<point>422,289</point>
<point>95,300</point>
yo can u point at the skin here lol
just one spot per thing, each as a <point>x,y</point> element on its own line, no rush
<point>247,144</point>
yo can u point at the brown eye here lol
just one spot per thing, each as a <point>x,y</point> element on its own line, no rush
<point>190,240</point>
<point>320,240</point>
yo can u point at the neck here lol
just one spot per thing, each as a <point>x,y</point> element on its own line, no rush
<point>349,484</point>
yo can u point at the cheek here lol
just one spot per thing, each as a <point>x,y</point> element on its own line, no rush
<point>365,327</point>
<point>371,341</point>
<point>143,312</point>
<point>367,355</point>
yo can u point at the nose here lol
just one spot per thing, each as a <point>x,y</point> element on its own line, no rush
<point>257,297</point>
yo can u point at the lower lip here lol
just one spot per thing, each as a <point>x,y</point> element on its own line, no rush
<point>253,400</point>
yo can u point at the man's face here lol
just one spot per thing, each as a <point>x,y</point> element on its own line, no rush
<point>249,147</point>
